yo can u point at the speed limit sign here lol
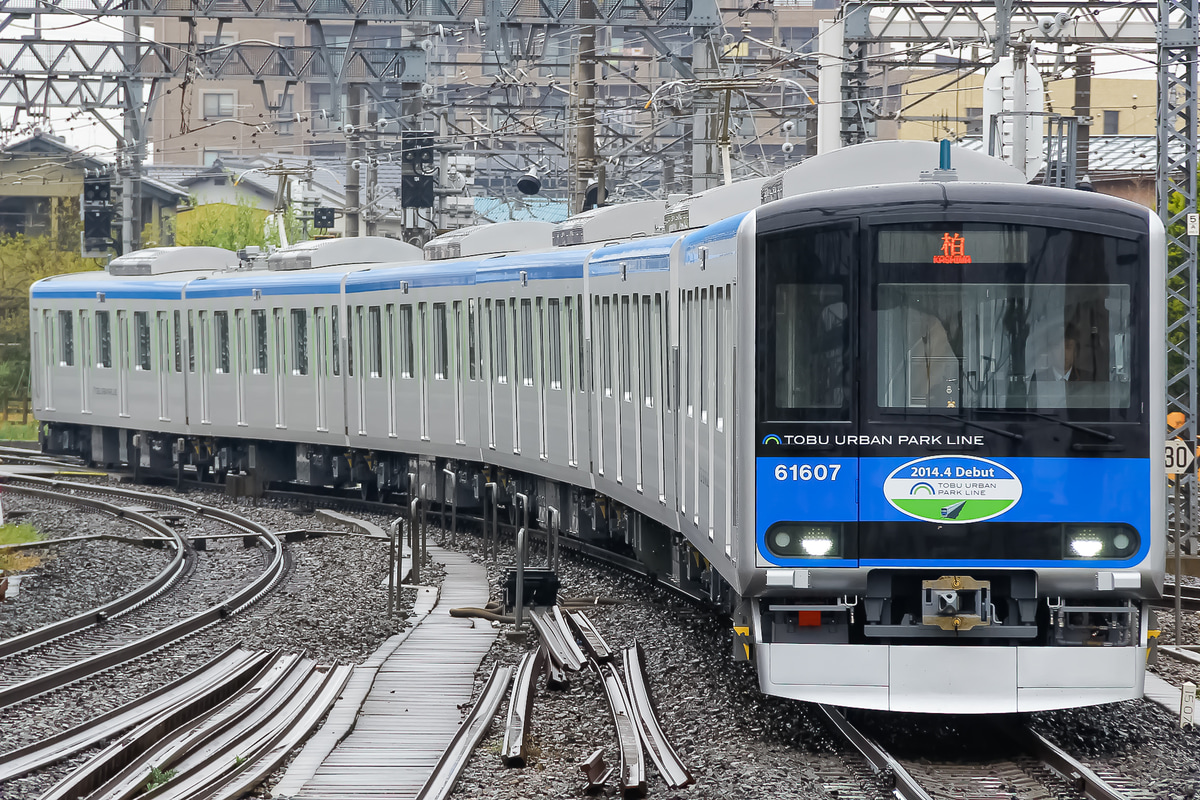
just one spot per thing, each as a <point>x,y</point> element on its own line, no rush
<point>1179,456</point>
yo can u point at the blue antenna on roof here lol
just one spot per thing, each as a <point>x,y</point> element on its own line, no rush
<point>944,173</point>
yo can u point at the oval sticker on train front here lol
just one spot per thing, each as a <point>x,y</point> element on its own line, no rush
<point>952,489</point>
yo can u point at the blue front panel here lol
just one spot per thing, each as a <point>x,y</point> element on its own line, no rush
<point>1084,490</point>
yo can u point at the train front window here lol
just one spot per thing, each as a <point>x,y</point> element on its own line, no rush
<point>1003,346</point>
<point>1002,317</point>
<point>804,324</point>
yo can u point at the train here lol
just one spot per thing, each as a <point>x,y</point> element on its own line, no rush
<point>901,421</point>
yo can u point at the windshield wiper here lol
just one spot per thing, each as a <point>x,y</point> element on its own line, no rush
<point>1016,437</point>
<point>1108,437</point>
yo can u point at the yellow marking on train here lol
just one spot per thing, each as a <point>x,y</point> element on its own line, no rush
<point>744,632</point>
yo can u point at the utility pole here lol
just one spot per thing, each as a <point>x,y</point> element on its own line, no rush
<point>353,157</point>
<point>1083,110</point>
<point>583,102</point>
<point>132,151</point>
<point>370,214</point>
<point>705,122</point>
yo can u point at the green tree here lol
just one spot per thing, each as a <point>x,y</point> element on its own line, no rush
<point>24,260</point>
<point>222,225</point>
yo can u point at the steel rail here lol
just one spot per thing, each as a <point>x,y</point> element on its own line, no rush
<point>1074,772</point>
<point>1190,600</point>
<point>520,708</point>
<point>629,744</point>
<point>122,605</point>
<point>664,756</point>
<point>597,648</point>
<point>568,636</point>
<point>241,780</point>
<point>216,681</point>
<point>236,603</point>
<point>472,730</point>
<point>552,639</point>
<point>902,785</point>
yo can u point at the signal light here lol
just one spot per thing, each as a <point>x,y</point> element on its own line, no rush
<point>323,218</point>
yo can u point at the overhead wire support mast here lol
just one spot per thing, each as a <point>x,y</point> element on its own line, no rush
<point>1178,50</point>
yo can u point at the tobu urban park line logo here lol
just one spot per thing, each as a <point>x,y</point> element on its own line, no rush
<point>952,489</point>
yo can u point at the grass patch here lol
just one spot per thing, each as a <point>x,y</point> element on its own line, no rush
<point>18,533</point>
<point>17,432</point>
<point>159,777</point>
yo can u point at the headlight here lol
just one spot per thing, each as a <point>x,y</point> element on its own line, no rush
<point>1099,541</point>
<point>805,540</point>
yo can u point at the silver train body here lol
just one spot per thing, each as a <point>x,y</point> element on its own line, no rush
<point>824,411</point>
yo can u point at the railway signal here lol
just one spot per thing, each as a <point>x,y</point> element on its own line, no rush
<point>323,218</point>
<point>97,211</point>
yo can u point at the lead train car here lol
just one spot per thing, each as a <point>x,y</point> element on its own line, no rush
<point>904,433</point>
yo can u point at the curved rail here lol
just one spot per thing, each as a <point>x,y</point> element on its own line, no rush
<point>668,762</point>
<point>520,708</point>
<point>469,734</point>
<point>172,633</point>
<point>633,768</point>
<point>169,574</point>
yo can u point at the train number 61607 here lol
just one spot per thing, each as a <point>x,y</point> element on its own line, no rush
<point>807,472</point>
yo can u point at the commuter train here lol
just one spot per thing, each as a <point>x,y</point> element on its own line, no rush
<point>906,428</point>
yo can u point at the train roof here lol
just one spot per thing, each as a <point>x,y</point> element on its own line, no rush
<point>1023,203</point>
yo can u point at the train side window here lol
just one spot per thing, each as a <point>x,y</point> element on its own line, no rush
<point>527,342</point>
<point>335,336</point>
<point>258,335</point>
<point>555,345</point>
<point>689,340</point>
<point>104,339</point>
<point>719,354</point>
<point>221,328</point>
<point>375,320</point>
<point>580,362</point>
<point>48,330</point>
<point>501,359</point>
<point>472,359</point>
<point>706,318</point>
<point>66,338</point>
<point>392,349</point>
<point>85,340</point>
<point>191,344</point>
<point>604,329</point>
<point>320,337</point>
<point>626,352</point>
<point>299,341</point>
<point>281,361</point>
<point>647,353</point>
<point>441,353</point>
<point>164,362</point>
<point>406,342</point>
<point>177,320</point>
<point>350,341</point>
<point>141,327</point>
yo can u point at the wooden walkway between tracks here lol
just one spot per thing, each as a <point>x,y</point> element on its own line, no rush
<point>412,710</point>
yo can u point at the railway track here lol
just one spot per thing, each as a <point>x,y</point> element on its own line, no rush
<point>1027,766</point>
<point>1188,601</point>
<point>61,658</point>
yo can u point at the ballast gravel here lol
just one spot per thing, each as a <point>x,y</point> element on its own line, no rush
<point>331,605</point>
<point>67,579</point>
